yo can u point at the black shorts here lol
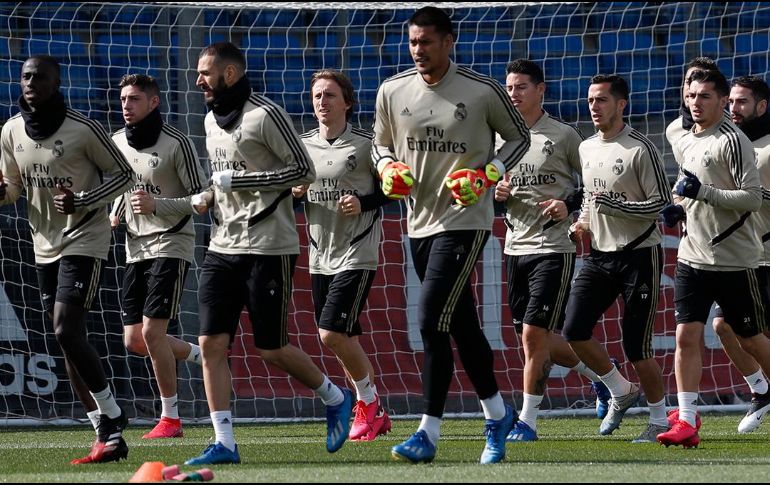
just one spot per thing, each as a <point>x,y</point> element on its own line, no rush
<point>338,299</point>
<point>763,275</point>
<point>538,287</point>
<point>71,279</point>
<point>261,283</point>
<point>739,294</point>
<point>444,264</point>
<point>153,288</point>
<point>634,275</point>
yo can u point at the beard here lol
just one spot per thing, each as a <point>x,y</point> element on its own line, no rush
<point>216,91</point>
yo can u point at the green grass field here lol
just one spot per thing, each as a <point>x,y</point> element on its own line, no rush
<point>569,450</point>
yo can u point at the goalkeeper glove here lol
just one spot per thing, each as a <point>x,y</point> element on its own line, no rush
<point>688,185</point>
<point>397,180</point>
<point>672,214</point>
<point>468,185</point>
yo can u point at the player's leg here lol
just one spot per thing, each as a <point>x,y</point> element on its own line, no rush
<point>693,298</point>
<point>269,295</point>
<point>742,360</point>
<point>339,328</point>
<point>641,295</point>
<point>595,288</point>
<point>78,284</point>
<point>221,296</point>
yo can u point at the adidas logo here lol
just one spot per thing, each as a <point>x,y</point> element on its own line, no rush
<point>19,148</point>
<point>644,287</point>
<point>225,421</point>
<point>406,112</point>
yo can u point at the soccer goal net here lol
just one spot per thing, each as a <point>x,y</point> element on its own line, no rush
<point>97,43</point>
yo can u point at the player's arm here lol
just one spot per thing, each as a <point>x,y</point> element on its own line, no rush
<point>648,166</point>
<point>101,150</point>
<point>396,176</point>
<point>191,174</point>
<point>118,211</point>
<point>277,133</point>
<point>505,119</point>
<point>739,154</point>
<point>10,176</point>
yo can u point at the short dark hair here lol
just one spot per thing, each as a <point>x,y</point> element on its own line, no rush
<point>759,88</point>
<point>146,83</point>
<point>702,62</point>
<point>710,76</point>
<point>618,85</point>
<point>344,82</point>
<point>432,16</point>
<point>525,66</point>
<point>225,52</point>
<point>47,60</point>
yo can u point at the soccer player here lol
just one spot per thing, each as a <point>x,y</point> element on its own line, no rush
<point>625,189</point>
<point>58,157</point>
<point>683,124</point>
<point>717,260</point>
<point>256,158</point>
<point>748,110</point>
<point>540,194</point>
<point>434,138</point>
<point>160,238</point>
<point>342,208</point>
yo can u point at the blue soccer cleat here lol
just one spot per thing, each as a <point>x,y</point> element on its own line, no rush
<point>521,432</point>
<point>603,394</point>
<point>216,454</point>
<point>496,431</point>
<point>338,422</point>
<point>417,449</point>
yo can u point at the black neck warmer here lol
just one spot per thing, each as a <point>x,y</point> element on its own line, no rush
<point>228,104</point>
<point>46,119</point>
<point>687,121</point>
<point>757,128</point>
<point>145,133</point>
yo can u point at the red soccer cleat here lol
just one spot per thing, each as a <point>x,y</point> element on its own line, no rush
<point>680,434</point>
<point>113,450</point>
<point>370,421</point>
<point>166,428</point>
<point>673,417</point>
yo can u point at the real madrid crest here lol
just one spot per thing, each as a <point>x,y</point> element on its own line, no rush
<point>707,159</point>
<point>460,112</point>
<point>58,149</point>
<point>237,134</point>
<point>352,163</point>
<point>154,160</point>
<point>547,148</point>
<point>617,169</point>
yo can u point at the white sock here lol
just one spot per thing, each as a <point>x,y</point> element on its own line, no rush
<point>223,428</point>
<point>432,427</point>
<point>94,417</point>
<point>195,354</point>
<point>494,407</point>
<point>169,407</point>
<point>364,391</point>
<point>529,410</point>
<point>105,401</point>
<point>616,383</point>
<point>584,371</point>
<point>688,406</point>
<point>757,382</point>
<point>330,394</point>
<point>658,412</point>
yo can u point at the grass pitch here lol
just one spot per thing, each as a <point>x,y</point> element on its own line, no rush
<point>569,450</point>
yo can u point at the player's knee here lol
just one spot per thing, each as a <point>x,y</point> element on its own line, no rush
<point>153,336</point>
<point>721,328</point>
<point>67,337</point>
<point>332,340</point>
<point>134,342</point>
<point>273,356</point>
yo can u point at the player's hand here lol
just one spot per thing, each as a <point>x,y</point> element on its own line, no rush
<point>349,205</point>
<point>503,188</point>
<point>468,185</point>
<point>64,201</point>
<point>142,203</point>
<point>554,208</point>
<point>397,180</point>
<point>577,231</point>
<point>672,214</point>
<point>688,185</point>
<point>114,221</point>
<point>299,191</point>
<point>202,202</point>
<point>223,180</point>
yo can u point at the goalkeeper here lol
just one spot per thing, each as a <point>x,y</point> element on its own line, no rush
<point>433,146</point>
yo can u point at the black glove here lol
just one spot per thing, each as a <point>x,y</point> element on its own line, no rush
<point>687,186</point>
<point>672,214</point>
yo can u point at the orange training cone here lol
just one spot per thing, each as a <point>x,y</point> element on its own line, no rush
<point>150,471</point>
